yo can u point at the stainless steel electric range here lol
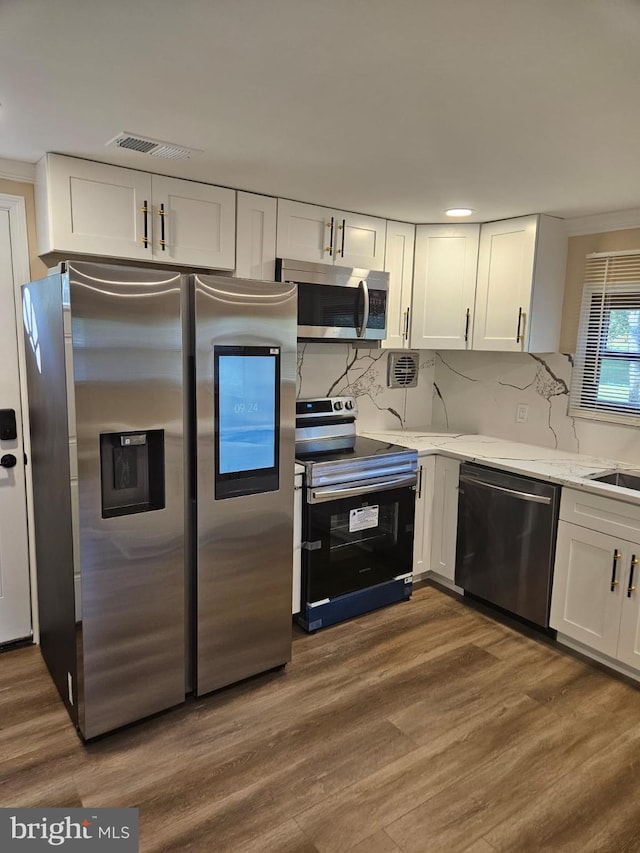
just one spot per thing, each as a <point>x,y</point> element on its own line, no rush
<point>358,515</point>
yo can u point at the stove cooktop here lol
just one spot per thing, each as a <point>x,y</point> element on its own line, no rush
<point>364,448</point>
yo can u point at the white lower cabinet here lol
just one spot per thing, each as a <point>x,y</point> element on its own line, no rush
<point>424,509</point>
<point>436,525</point>
<point>297,544</point>
<point>445,517</point>
<point>584,605</point>
<point>595,601</point>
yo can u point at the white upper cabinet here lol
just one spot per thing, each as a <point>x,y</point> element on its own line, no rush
<point>444,286</point>
<point>360,241</point>
<point>310,233</point>
<point>398,262</point>
<point>194,224</point>
<point>95,209</point>
<point>520,285</point>
<point>256,237</point>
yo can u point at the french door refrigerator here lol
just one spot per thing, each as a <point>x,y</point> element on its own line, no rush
<point>155,535</point>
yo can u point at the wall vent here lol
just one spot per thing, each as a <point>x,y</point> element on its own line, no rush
<point>153,147</point>
<point>402,369</point>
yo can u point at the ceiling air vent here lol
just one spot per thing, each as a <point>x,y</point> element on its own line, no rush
<point>154,147</point>
<point>402,369</point>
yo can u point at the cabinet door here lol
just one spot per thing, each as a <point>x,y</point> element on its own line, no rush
<point>505,276</point>
<point>445,517</point>
<point>95,209</point>
<point>297,544</point>
<point>444,286</point>
<point>583,605</point>
<point>306,232</point>
<point>629,639</point>
<point>256,236</point>
<point>199,223</point>
<point>360,241</point>
<point>398,262</point>
<point>424,508</point>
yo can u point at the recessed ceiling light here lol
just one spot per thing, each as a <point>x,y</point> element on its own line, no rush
<point>459,211</point>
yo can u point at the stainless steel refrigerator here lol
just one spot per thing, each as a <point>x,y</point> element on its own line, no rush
<point>162,434</point>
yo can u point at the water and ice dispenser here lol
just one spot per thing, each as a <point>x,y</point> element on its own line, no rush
<point>132,472</point>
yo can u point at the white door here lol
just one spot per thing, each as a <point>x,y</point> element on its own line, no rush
<point>256,236</point>
<point>629,639</point>
<point>100,210</point>
<point>424,507</point>
<point>505,280</point>
<point>445,517</point>
<point>398,262</point>
<point>586,602</point>
<point>15,603</point>
<point>198,222</point>
<point>360,241</point>
<point>444,286</point>
<point>306,232</point>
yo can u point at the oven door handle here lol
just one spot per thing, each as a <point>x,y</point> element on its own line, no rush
<point>330,493</point>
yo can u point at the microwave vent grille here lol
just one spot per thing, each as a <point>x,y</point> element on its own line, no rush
<point>402,369</point>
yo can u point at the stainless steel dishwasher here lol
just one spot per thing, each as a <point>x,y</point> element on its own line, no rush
<point>506,540</point>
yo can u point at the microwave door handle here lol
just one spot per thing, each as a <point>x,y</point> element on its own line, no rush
<point>329,493</point>
<point>365,311</point>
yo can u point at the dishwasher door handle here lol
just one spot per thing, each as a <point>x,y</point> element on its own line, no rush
<point>514,493</point>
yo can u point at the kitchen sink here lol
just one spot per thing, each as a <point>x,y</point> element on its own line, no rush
<point>626,479</point>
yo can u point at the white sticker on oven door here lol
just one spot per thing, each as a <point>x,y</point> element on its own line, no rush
<point>363,518</point>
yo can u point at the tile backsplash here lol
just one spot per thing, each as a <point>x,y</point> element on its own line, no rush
<point>481,391</point>
<point>326,370</point>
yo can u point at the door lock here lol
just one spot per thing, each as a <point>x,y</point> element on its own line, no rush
<point>8,460</point>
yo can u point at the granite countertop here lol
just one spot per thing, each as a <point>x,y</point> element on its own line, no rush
<point>544,463</point>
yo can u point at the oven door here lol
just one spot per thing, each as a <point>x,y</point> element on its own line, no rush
<point>357,536</point>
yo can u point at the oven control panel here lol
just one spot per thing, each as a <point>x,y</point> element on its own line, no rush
<point>326,407</point>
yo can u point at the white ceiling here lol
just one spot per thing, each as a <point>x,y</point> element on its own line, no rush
<point>399,108</point>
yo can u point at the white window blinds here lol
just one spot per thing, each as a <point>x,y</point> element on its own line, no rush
<point>606,375</point>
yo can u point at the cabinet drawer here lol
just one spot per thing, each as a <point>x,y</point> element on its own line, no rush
<point>606,515</point>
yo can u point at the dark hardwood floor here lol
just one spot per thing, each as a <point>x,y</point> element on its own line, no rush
<point>427,726</point>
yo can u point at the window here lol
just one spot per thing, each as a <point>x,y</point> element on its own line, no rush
<point>606,377</point>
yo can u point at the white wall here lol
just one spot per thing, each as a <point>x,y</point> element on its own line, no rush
<point>479,392</point>
<point>326,370</point>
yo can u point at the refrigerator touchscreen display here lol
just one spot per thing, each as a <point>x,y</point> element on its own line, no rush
<point>247,383</point>
<point>247,412</point>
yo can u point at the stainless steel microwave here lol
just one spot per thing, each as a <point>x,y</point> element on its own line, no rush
<point>338,303</point>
